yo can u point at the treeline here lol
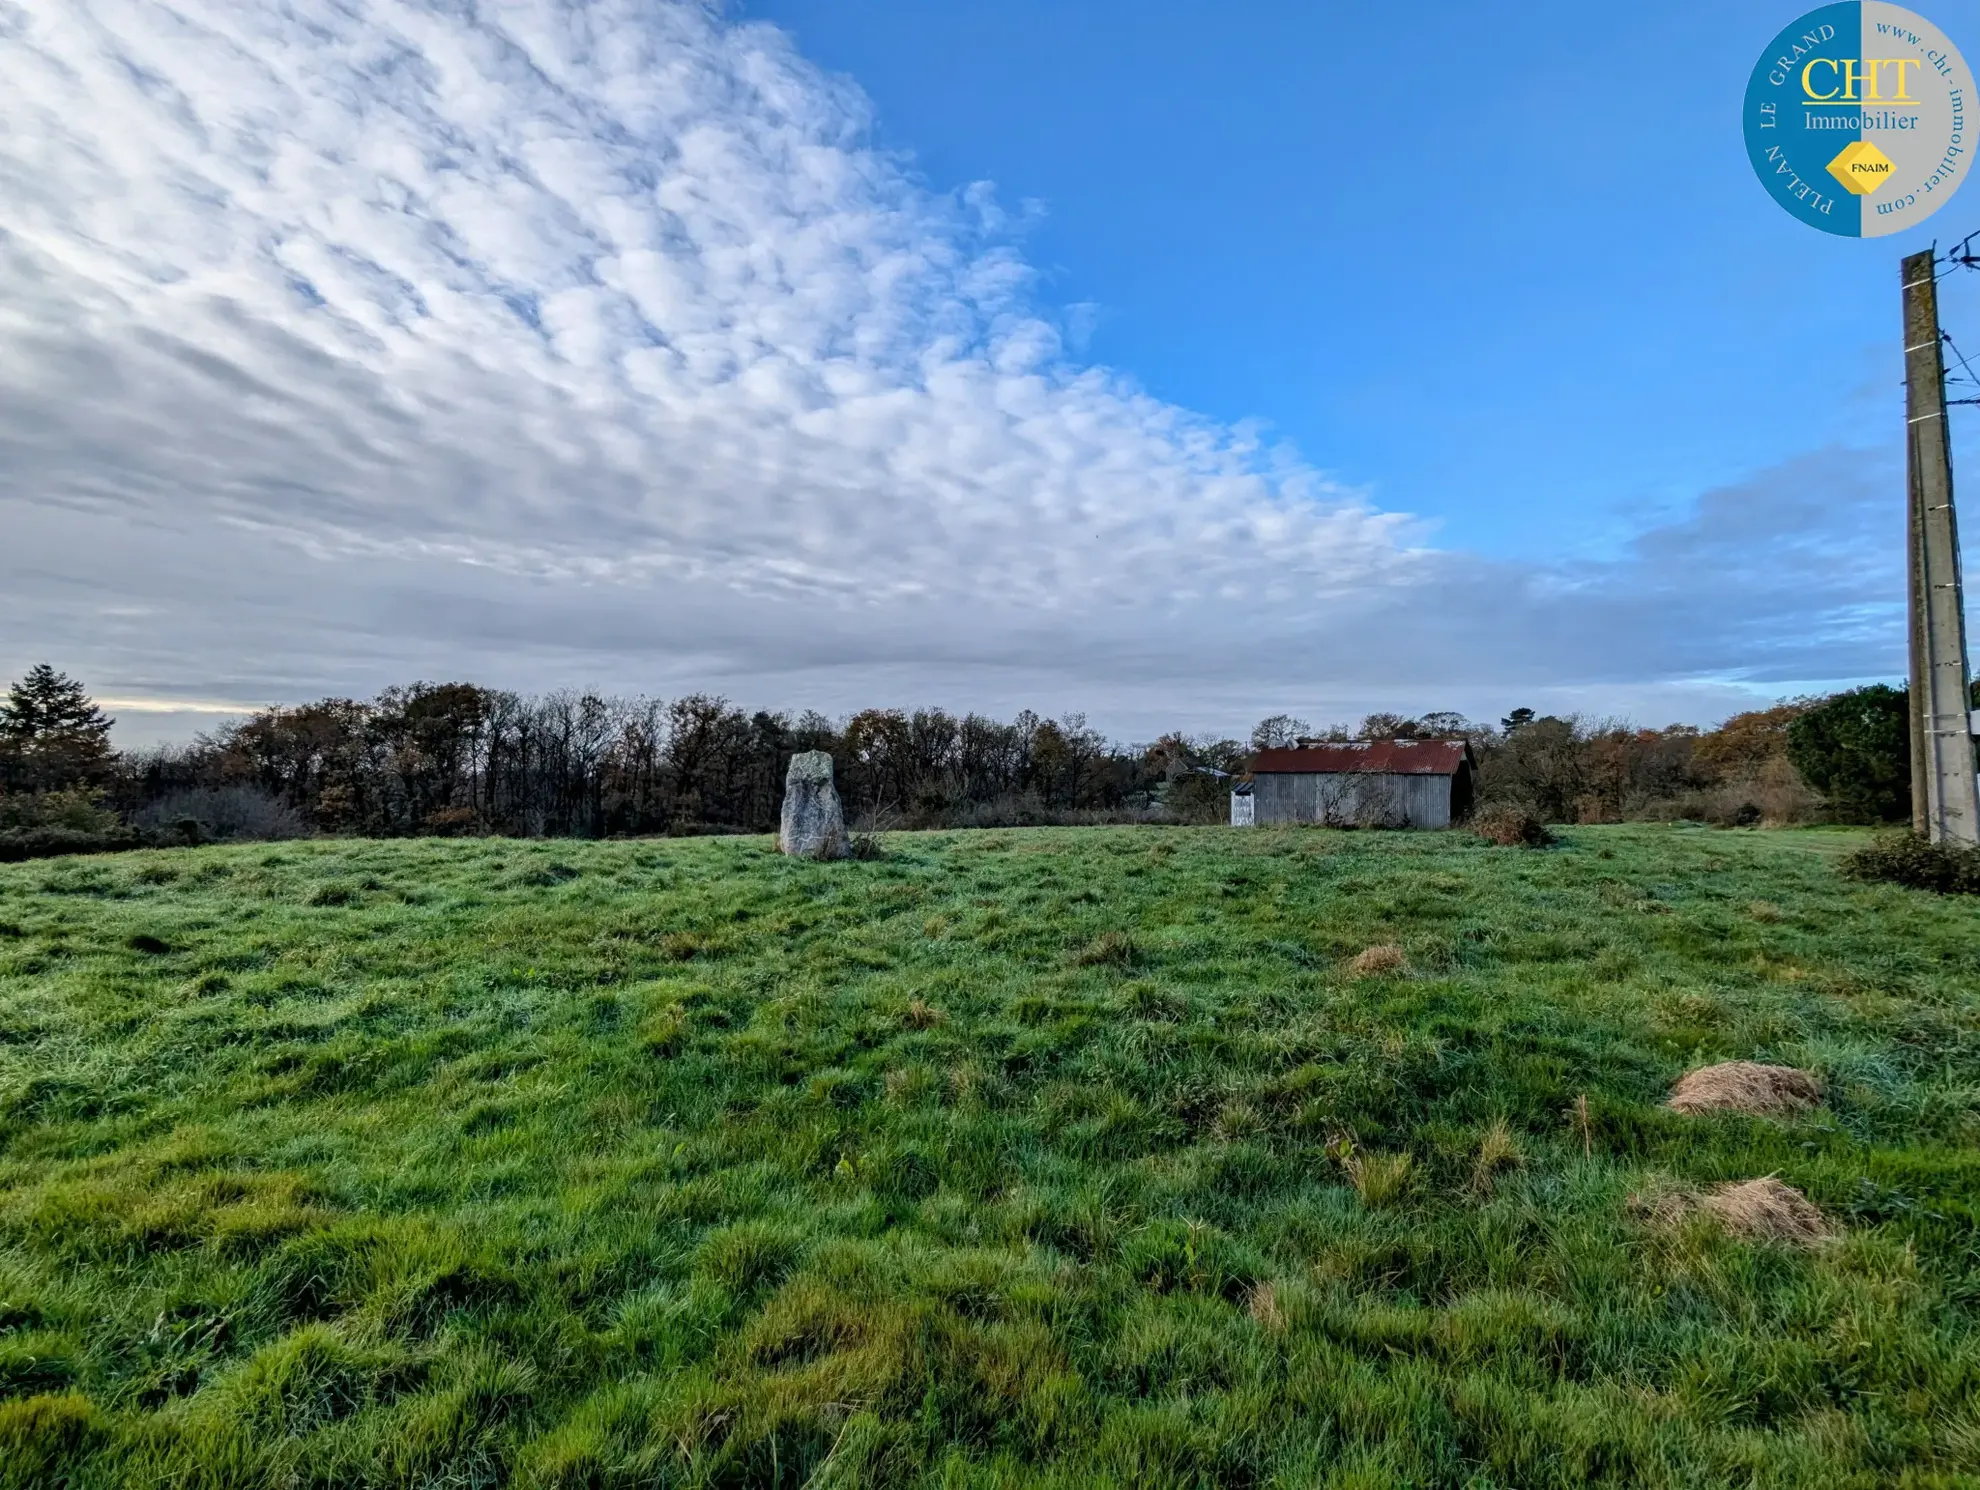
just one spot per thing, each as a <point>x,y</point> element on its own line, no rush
<point>455,758</point>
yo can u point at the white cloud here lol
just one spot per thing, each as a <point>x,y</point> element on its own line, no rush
<point>353,340</point>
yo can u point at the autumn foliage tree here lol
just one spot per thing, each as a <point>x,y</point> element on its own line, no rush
<point>1747,743</point>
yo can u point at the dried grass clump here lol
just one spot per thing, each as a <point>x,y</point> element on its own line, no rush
<point>1387,958</point>
<point>1762,1210</point>
<point>1765,1210</point>
<point>922,1015</point>
<point>1510,826</point>
<point>1746,1086</point>
<point>1263,1304</point>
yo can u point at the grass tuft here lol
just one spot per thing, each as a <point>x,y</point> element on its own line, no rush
<point>1378,961</point>
<point>922,1015</point>
<point>43,1439</point>
<point>1109,949</point>
<point>1498,1151</point>
<point>1381,1179</point>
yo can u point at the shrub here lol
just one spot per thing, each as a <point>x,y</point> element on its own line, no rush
<point>1510,825</point>
<point>1775,796</point>
<point>1855,749</point>
<point>1907,859</point>
<point>224,814</point>
<point>46,843</point>
<point>1198,797</point>
<point>1542,762</point>
<point>445,822</point>
<point>76,811</point>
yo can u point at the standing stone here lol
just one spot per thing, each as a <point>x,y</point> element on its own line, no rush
<point>814,827</point>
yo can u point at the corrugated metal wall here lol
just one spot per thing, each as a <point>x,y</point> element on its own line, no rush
<point>1357,799</point>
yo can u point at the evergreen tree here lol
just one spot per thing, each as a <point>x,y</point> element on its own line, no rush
<point>1516,721</point>
<point>52,735</point>
<point>1855,749</point>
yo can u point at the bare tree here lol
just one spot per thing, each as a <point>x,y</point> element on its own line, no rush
<point>1278,731</point>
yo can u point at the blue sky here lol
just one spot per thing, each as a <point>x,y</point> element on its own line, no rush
<point>1177,364</point>
<point>1517,276</point>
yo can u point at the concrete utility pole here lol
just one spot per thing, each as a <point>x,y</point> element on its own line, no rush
<point>1945,795</point>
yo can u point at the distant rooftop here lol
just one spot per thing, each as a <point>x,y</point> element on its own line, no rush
<point>1381,757</point>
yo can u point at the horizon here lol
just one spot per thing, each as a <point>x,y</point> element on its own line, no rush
<point>212,718</point>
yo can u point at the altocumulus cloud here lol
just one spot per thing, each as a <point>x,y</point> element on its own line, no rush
<point>545,343</point>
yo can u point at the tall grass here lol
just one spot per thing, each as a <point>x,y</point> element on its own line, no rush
<point>1013,1158</point>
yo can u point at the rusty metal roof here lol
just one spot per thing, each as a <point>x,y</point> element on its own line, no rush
<point>1382,757</point>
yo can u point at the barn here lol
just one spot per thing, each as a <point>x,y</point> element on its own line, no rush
<point>1364,783</point>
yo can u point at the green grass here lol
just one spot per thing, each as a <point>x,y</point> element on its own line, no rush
<point>1047,1158</point>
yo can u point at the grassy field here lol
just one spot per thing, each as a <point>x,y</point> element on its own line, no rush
<point>1045,1158</point>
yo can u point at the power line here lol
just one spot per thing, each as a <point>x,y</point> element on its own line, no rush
<point>1961,256</point>
<point>1946,337</point>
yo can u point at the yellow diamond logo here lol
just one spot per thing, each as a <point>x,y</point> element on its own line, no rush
<point>1861,167</point>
